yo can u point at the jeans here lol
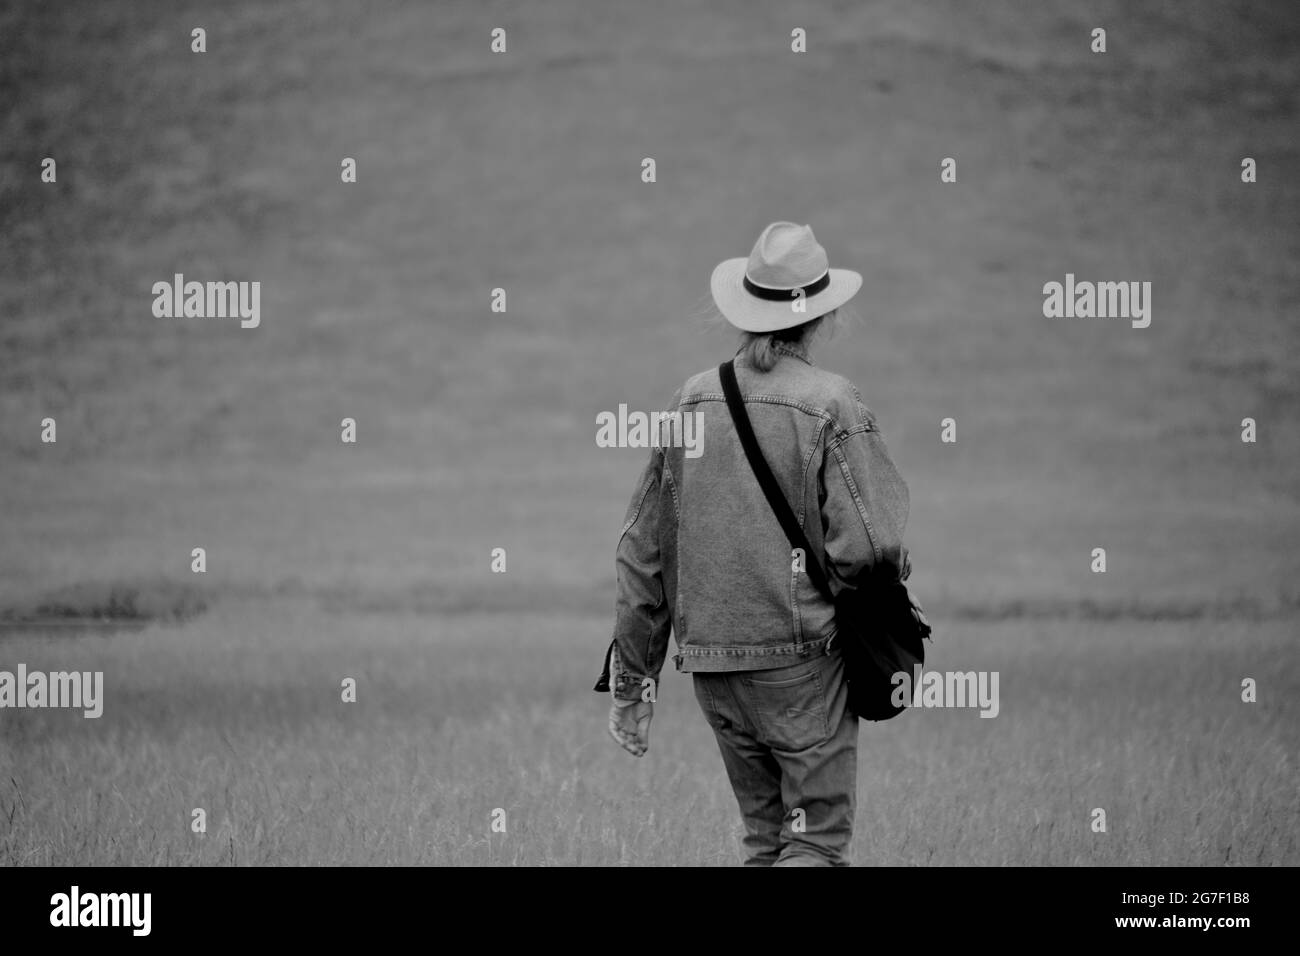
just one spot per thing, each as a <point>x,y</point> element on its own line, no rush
<point>790,746</point>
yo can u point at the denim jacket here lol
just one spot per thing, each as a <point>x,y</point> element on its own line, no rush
<point>702,554</point>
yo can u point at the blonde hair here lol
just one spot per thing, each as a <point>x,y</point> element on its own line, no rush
<point>762,350</point>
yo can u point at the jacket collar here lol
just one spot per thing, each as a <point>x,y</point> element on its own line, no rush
<point>794,352</point>
<point>784,349</point>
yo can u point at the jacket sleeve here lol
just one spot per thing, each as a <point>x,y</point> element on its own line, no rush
<point>642,620</point>
<point>866,502</point>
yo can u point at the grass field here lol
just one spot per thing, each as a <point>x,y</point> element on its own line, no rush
<point>476,430</point>
<point>455,718</point>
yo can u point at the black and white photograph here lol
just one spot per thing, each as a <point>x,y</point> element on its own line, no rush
<point>650,434</point>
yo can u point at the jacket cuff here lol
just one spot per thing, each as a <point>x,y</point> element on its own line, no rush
<point>633,687</point>
<point>602,682</point>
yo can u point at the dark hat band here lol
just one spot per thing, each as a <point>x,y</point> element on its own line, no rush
<point>785,295</point>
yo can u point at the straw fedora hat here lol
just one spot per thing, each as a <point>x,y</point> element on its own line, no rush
<point>761,294</point>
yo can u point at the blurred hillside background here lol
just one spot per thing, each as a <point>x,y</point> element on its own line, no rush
<point>477,430</point>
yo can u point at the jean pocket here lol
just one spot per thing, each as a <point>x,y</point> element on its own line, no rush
<point>789,705</point>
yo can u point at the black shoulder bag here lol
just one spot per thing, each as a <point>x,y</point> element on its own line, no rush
<point>878,627</point>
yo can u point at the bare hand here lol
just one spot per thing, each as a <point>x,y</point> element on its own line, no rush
<point>629,725</point>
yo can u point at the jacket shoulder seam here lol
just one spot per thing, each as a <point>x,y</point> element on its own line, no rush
<point>812,410</point>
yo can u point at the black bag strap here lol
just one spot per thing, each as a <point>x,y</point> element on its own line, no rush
<point>767,481</point>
